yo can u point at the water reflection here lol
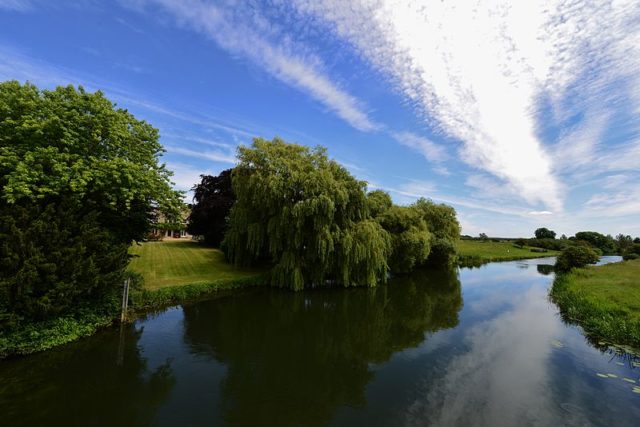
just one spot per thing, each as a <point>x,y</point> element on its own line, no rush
<point>502,379</point>
<point>545,269</point>
<point>83,384</point>
<point>407,353</point>
<point>292,359</point>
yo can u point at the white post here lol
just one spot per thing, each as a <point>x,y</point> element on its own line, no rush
<point>125,301</point>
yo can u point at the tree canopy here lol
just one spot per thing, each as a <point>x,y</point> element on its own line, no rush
<point>545,233</point>
<point>304,214</point>
<point>213,198</point>
<point>79,181</point>
<point>445,230</point>
<point>604,243</point>
<point>575,257</point>
<point>410,237</point>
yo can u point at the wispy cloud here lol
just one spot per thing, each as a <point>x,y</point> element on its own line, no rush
<point>16,5</point>
<point>281,58</point>
<point>216,156</point>
<point>478,73</point>
<point>428,149</point>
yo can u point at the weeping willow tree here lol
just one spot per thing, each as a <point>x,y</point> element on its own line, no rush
<point>305,215</point>
<point>410,237</point>
<point>445,230</point>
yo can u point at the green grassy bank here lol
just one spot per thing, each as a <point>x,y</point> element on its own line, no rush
<point>604,300</point>
<point>478,252</point>
<point>179,262</point>
<point>179,270</point>
<point>171,272</point>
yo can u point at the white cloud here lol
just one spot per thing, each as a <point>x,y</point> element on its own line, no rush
<point>621,203</point>
<point>538,213</point>
<point>487,187</point>
<point>479,72</point>
<point>283,59</point>
<point>216,156</point>
<point>577,148</point>
<point>430,150</point>
<point>185,176</point>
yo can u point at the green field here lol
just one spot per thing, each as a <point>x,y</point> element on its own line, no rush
<point>176,262</point>
<point>488,251</point>
<point>605,300</point>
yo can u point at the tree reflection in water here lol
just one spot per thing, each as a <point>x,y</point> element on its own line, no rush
<point>83,384</point>
<point>294,358</point>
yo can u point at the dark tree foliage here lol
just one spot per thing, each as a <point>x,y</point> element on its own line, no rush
<point>79,181</point>
<point>520,243</point>
<point>552,244</point>
<point>575,257</point>
<point>624,242</point>
<point>605,243</point>
<point>214,199</point>
<point>545,233</point>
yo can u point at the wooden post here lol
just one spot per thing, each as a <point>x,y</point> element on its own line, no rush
<point>123,317</point>
<point>125,301</point>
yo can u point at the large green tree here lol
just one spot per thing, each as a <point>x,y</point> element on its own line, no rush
<point>544,233</point>
<point>410,237</point>
<point>305,215</point>
<point>80,179</point>
<point>605,243</point>
<point>443,224</point>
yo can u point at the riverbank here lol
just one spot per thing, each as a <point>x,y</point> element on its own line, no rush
<point>474,253</point>
<point>179,270</point>
<point>604,300</point>
<point>176,271</point>
<point>164,273</point>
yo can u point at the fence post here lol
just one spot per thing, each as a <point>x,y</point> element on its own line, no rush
<point>123,317</point>
<point>125,301</point>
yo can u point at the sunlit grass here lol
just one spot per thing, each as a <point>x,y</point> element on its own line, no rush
<point>174,262</point>
<point>605,300</point>
<point>486,251</point>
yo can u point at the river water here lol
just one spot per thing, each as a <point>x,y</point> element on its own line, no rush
<point>481,347</point>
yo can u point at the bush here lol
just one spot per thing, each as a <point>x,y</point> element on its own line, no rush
<point>552,244</point>
<point>155,237</point>
<point>575,257</point>
<point>520,243</point>
<point>629,257</point>
<point>539,250</point>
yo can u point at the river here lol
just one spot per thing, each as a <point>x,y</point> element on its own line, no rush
<point>482,347</point>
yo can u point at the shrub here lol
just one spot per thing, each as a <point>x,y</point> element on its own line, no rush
<point>520,243</point>
<point>629,257</point>
<point>539,250</point>
<point>575,257</point>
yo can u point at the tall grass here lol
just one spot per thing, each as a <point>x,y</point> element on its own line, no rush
<point>604,300</point>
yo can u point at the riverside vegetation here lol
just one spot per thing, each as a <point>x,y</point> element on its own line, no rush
<point>604,300</point>
<point>82,180</point>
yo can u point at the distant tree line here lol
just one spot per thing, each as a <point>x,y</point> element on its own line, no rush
<point>304,215</point>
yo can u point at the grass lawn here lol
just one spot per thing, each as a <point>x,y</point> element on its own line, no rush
<point>488,251</point>
<point>175,262</point>
<point>605,300</point>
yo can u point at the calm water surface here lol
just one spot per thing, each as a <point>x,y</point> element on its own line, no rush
<point>474,347</point>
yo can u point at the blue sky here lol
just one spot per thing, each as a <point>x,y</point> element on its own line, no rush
<point>519,115</point>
